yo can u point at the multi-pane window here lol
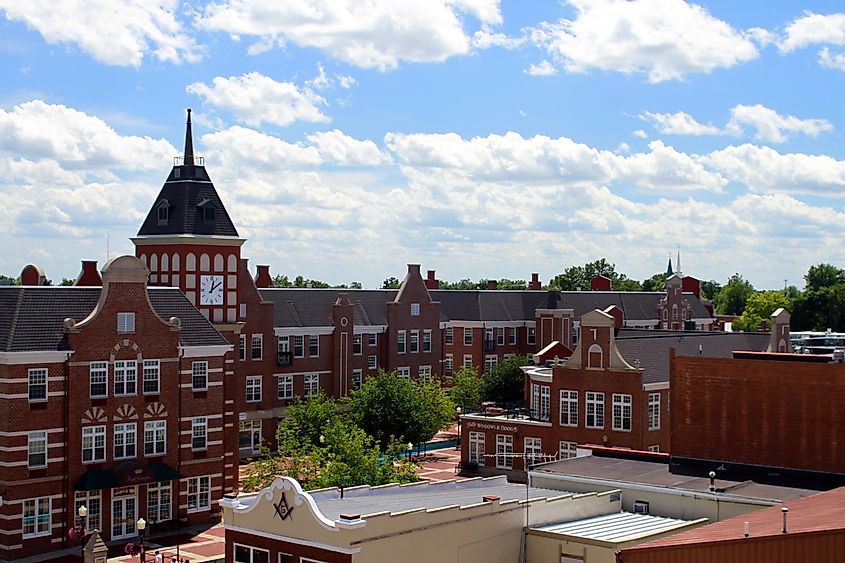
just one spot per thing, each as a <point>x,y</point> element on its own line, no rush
<point>253,389</point>
<point>242,347</point>
<point>36,517</point>
<point>568,450</point>
<point>199,493</point>
<point>594,405</point>
<point>621,412</point>
<point>298,346</point>
<point>37,449</point>
<point>533,451</point>
<point>159,501</point>
<point>99,379</point>
<point>512,335</point>
<point>490,362</point>
<point>155,437</point>
<point>568,408</point>
<point>500,337</point>
<point>655,448</point>
<point>93,444</point>
<point>467,361</point>
<point>426,340</point>
<point>357,344</point>
<point>372,339</point>
<point>488,337</point>
<point>152,373</point>
<point>125,436</point>
<point>425,374</point>
<point>285,387</point>
<point>448,364</point>
<point>531,335</point>
<point>403,372</point>
<point>314,346</point>
<point>357,378</point>
<point>467,336</point>
<point>248,554</point>
<point>199,433</point>
<point>249,435</point>
<point>283,345</point>
<point>504,451</point>
<point>312,384</point>
<point>400,341</point>
<point>415,309</point>
<point>476,447</point>
<point>654,411</point>
<point>372,362</point>
<point>125,377</point>
<point>92,501</point>
<point>415,341</point>
<point>257,346</point>
<point>540,401</point>
<point>125,323</point>
<point>199,376</point>
<point>37,384</point>
<point>449,335</point>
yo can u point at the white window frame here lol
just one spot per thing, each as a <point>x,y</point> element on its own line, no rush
<point>415,309</point>
<point>449,335</point>
<point>357,378</point>
<point>125,323</point>
<point>372,339</point>
<point>253,429</point>
<point>504,451</point>
<point>93,501</point>
<point>426,340</point>
<point>357,344</point>
<point>594,407</point>
<point>400,342</point>
<point>199,494</point>
<point>37,380</point>
<point>569,407</point>
<point>155,436</point>
<point>530,335</point>
<point>477,447</point>
<point>98,375</point>
<point>285,390</point>
<point>448,364</point>
<point>512,335</point>
<point>253,389</point>
<point>160,501</point>
<point>414,346</point>
<point>567,450</point>
<point>199,376</point>
<point>467,336</point>
<point>541,401</point>
<point>655,448</point>
<point>372,362</point>
<point>533,448</point>
<point>467,363</point>
<point>256,343</point>
<point>424,374</point>
<point>490,362</point>
<point>314,346</point>
<point>403,372</point>
<point>36,446</point>
<point>312,384</point>
<point>91,435</point>
<point>125,436</point>
<point>242,347</point>
<point>199,433</point>
<point>41,517</point>
<point>299,346</point>
<point>125,376</point>
<point>654,411</point>
<point>252,551</point>
<point>622,412</point>
<point>500,336</point>
<point>151,374</point>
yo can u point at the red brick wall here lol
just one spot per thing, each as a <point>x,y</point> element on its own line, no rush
<point>779,414</point>
<point>399,318</point>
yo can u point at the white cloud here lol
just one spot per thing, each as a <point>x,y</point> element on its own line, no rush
<point>666,39</point>
<point>679,123</point>
<point>255,99</point>
<point>772,127</point>
<point>640,134</point>
<point>377,34</point>
<point>813,29</point>
<point>832,61</point>
<point>484,39</point>
<point>623,147</point>
<point>346,81</point>
<point>115,33</point>
<point>338,148</point>
<point>543,68</point>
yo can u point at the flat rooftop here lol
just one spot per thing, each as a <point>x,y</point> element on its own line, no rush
<point>618,527</point>
<point>426,495</point>
<point>657,473</point>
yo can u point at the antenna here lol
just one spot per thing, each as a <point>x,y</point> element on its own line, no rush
<point>108,249</point>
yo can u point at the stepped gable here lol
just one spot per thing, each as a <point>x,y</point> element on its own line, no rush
<point>188,203</point>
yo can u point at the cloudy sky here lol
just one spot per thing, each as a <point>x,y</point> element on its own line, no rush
<point>479,138</point>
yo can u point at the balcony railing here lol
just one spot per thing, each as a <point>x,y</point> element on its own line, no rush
<point>180,160</point>
<point>284,359</point>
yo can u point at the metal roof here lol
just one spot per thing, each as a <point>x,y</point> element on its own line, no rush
<point>617,527</point>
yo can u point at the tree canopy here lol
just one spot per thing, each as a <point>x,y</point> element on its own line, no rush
<point>574,278</point>
<point>731,299</point>
<point>506,382</point>
<point>467,388</point>
<point>759,307</point>
<point>822,276</point>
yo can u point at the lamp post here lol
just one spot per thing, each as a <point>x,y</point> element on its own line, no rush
<point>142,527</point>
<point>410,447</point>
<point>82,512</point>
<point>458,411</point>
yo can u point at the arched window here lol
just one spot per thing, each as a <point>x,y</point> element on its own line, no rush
<point>665,314</point>
<point>191,262</point>
<point>232,266</point>
<point>595,356</point>
<point>674,312</point>
<point>218,262</point>
<point>143,259</point>
<point>174,262</point>
<point>205,263</point>
<point>684,314</point>
<point>165,263</point>
<point>153,262</point>
<point>782,346</point>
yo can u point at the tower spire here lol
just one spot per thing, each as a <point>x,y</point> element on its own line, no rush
<point>678,263</point>
<point>189,142</point>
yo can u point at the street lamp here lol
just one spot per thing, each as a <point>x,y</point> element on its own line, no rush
<point>82,511</point>
<point>142,527</point>
<point>458,411</point>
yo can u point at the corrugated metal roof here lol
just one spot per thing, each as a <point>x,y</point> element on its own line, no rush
<point>617,527</point>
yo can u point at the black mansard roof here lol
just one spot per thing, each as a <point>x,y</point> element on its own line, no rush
<point>31,317</point>
<point>186,194</point>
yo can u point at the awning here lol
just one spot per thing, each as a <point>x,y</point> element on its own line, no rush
<point>126,474</point>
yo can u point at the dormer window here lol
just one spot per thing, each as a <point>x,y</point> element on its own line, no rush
<point>208,211</point>
<point>163,212</point>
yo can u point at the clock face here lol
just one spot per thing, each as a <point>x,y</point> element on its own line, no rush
<point>211,290</point>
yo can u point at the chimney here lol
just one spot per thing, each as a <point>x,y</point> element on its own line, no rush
<point>535,282</point>
<point>33,275</point>
<point>492,285</point>
<point>431,282</point>
<point>262,277</point>
<point>89,276</point>
<point>414,269</point>
<point>601,283</point>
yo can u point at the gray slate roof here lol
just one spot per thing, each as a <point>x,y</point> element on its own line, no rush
<point>186,186</point>
<point>651,347</point>
<point>313,307</point>
<point>31,317</point>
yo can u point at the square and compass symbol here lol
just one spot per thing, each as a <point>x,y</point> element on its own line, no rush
<point>283,509</point>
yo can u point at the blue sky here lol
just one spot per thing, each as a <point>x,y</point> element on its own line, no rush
<point>476,137</point>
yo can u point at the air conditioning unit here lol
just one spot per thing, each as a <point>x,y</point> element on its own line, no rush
<point>640,507</point>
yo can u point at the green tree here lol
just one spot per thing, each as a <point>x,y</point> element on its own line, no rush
<point>305,419</point>
<point>467,387</point>
<point>506,382</point>
<point>657,282</point>
<point>507,284</point>
<point>67,281</point>
<point>578,277</point>
<point>820,309</point>
<point>710,288</point>
<point>759,308</point>
<point>731,299</point>
<point>391,283</point>
<point>462,284</point>
<point>356,285</point>
<point>389,407</point>
<point>281,281</point>
<point>823,275</point>
<point>11,280</point>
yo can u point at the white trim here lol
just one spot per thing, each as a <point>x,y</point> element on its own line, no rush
<point>364,329</point>
<point>303,331</point>
<point>34,357</point>
<point>290,539</point>
<point>202,351</point>
<point>207,240</point>
<point>656,386</point>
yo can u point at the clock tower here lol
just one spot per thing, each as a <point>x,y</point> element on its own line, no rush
<point>188,240</point>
